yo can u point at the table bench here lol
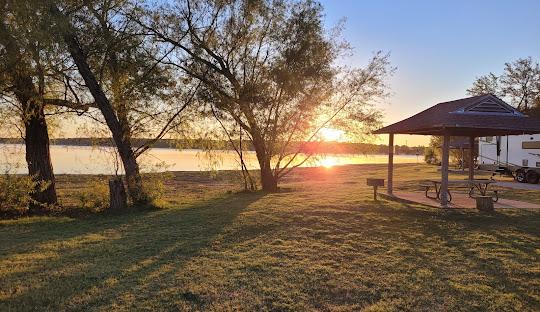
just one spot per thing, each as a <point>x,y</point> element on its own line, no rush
<point>479,185</point>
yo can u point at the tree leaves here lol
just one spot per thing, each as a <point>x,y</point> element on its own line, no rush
<point>519,84</point>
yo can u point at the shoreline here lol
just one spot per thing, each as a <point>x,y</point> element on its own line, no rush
<point>320,147</point>
<point>224,171</point>
<point>190,149</point>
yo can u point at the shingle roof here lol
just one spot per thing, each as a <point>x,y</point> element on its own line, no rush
<point>484,115</point>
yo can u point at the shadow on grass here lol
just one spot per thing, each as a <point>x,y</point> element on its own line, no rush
<point>498,247</point>
<point>495,249</point>
<point>127,253</point>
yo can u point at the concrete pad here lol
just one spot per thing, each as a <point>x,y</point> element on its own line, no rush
<point>519,186</point>
<point>459,201</point>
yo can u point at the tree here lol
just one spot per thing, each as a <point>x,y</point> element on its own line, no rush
<point>432,153</point>
<point>519,84</point>
<point>488,84</point>
<point>268,67</point>
<point>130,88</point>
<point>27,83</point>
<point>32,86</point>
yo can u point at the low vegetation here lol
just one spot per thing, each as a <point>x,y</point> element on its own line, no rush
<point>321,243</point>
<point>16,194</point>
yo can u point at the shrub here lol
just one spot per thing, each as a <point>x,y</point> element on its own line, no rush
<point>95,196</point>
<point>15,191</point>
<point>154,186</point>
<point>430,156</point>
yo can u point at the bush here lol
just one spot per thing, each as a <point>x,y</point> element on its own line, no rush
<point>95,196</point>
<point>430,156</point>
<point>15,191</point>
<point>154,186</point>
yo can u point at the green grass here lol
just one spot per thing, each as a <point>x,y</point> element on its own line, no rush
<point>320,244</point>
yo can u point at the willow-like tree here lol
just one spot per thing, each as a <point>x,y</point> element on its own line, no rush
<point>131,89</point>
<point>270,67</point>
<point>32,85</point>
<point>519,84</point>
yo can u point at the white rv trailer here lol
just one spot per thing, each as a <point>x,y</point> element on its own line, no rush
<point>519,154</point>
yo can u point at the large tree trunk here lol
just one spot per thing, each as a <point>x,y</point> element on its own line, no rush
<point>38,159</point>
<point>122,141</point>
<point>131,167</point>
<point>268,179</point>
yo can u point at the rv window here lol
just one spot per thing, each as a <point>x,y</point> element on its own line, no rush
<point>489,139</point>
<point>538,164</point>
<point>530,145</point>
<point>525,162</point>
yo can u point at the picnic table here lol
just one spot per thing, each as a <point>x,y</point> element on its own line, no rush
<point>480,185</point>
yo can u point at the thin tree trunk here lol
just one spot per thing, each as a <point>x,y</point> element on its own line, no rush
<point>117,195</point>
<point>123,144</point>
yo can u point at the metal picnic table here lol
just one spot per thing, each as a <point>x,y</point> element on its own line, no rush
<point>480,185</point>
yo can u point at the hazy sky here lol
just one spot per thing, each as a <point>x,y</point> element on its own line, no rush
<point>438,47</point>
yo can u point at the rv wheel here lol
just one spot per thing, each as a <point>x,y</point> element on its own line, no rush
<point>532,177</point>
<point>520,176</point>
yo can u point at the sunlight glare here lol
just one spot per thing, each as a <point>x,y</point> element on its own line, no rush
<point>330,134</point>
<point>328,162</point>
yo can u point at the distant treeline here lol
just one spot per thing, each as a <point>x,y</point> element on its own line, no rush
<point>317,147</point>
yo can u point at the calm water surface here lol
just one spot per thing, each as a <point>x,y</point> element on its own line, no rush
<point>101,160</point>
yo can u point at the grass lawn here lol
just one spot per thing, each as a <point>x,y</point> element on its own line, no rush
<point>320,244</point>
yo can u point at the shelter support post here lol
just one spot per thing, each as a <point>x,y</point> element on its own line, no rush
<point>444,171</point>
<point>462,159</point>
<point>390,184</point>
<point>471,158</point>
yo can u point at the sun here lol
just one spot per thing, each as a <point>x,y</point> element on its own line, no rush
<point>331,134</point>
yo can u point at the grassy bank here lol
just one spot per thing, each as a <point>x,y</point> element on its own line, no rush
<point>320,244</point>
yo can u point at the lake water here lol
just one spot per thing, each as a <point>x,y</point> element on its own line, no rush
<point>101,160</point>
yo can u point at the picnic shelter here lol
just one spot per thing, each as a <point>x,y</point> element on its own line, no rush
<point>477,116</point>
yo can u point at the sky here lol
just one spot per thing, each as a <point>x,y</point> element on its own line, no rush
<point>438,47</point>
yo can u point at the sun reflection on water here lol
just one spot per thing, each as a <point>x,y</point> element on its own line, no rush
<point>328,161</point>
